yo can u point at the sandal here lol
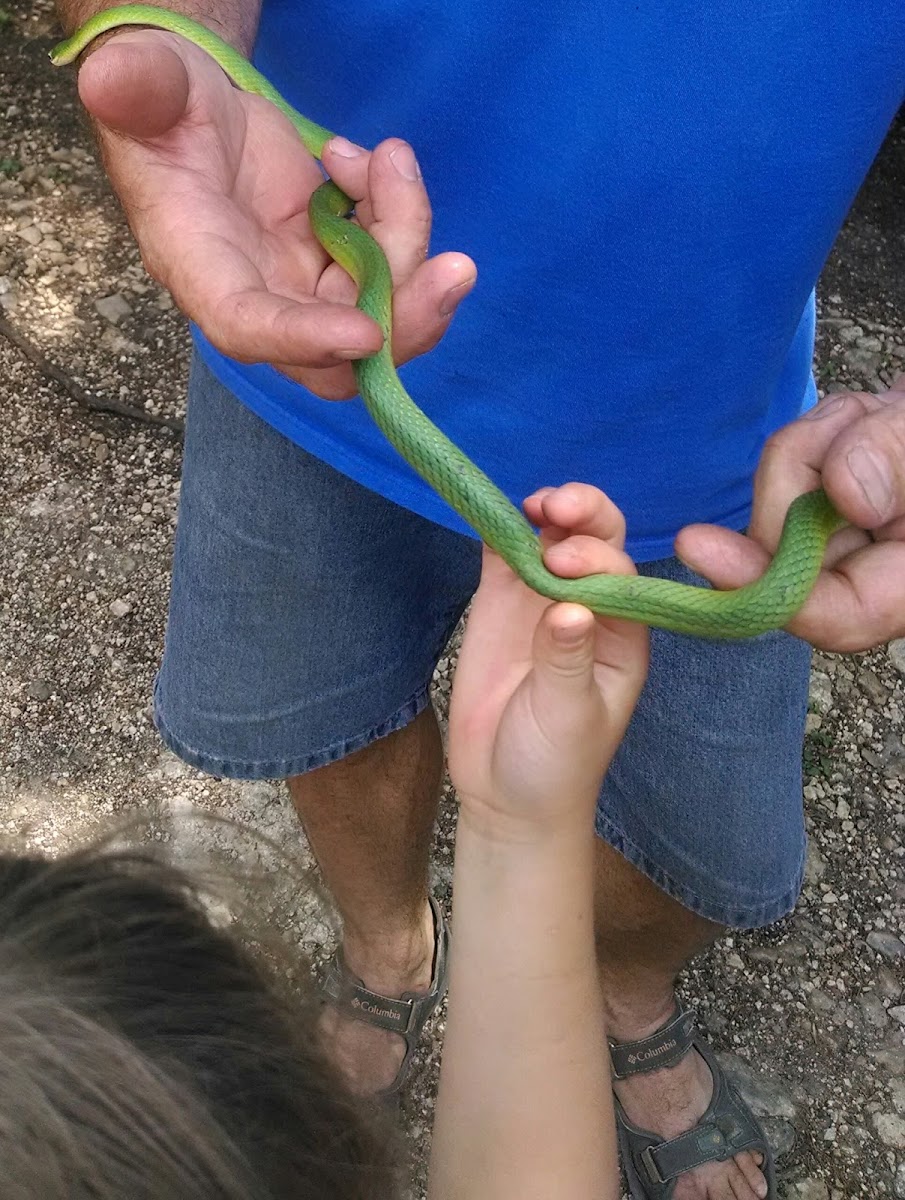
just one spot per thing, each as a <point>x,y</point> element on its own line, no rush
<point>406,1015</point>
<point>653,1165</point>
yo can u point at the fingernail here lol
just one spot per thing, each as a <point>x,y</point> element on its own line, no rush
<point>825,408</point>
<point>540,494</point>
<point>873,475</point>
<point>403,159</point>
<point>453,297</point>
<point>345,149</point>
<point>572,634</point>
<point>352,355</point>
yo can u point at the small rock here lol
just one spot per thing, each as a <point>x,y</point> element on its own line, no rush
<point>892,1061</point>
<point>850,333</point>
<point>764,1095</point>
<point>898,1013</point>
<point>896,652</point>
<point>890,1130</point>
<point>39,689</point>
<point>886,943</point>
<point>31,234</point>
<point>791,950</point>
<point>821,1002</point>
<point>113,308</point>
<point>873,1010</point>
<point>125,565</point>
<point>815,866</point>
<point>865,363</point>
<point>808,1189</point>
<point>873,687</point>
<point>780,1135</point>
<point>122,608</point>
<point>898,1185</point>
<point>821,692</point>
<point>888,983</point>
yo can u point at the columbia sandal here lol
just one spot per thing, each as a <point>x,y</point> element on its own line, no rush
<point>406,1015</point>
<point>652,1165</point>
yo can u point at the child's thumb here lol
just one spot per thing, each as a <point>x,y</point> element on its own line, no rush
<point>564,651</point>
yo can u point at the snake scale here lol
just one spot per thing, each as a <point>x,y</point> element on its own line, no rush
<point>768,603</point>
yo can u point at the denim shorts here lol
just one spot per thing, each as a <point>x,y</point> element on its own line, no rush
<point>306,618</point>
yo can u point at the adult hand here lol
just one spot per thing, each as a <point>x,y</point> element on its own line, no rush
<point>543,692</point>
<point>215,184</point>
<point>853,445</point>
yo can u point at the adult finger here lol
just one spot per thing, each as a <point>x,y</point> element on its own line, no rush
<point>245,320</point>
<point>864,467</point>
<point>793,458</point>
<point>391,201</point>
<point>422,310</point>
<point>856,603</point>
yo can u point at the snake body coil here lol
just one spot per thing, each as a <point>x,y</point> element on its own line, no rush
<point>767,604</point>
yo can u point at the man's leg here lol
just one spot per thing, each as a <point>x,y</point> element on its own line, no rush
<point>644,940</point>
<point>369,819</point>
<point>306,617</point>
<point>702,828</point>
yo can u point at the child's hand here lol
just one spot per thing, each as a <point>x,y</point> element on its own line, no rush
<point>543,692</point>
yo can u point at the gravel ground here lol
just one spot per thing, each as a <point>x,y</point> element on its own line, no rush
<point>810,1014</point>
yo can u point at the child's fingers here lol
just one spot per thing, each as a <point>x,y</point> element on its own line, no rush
<point>575,508</point>
<point>581,554</point>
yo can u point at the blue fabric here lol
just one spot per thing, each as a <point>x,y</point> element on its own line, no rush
<point>306,617</point>
<point>649,191</point>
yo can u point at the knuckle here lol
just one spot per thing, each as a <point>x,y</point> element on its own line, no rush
<point>777,446</point>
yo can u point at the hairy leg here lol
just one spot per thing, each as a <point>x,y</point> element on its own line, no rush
<point>644,939</point>
<point>369,819</point>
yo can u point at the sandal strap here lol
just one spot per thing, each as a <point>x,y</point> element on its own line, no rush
<point>727,1133</point>
<point>406,1015</point>
<point>340,988</point>
<point>664,1048</point>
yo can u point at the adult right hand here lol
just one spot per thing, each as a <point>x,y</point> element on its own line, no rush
<point>215,185</point>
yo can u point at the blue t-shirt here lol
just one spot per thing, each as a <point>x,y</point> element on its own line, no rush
<point>649,191</point>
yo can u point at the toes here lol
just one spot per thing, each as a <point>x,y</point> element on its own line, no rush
<point>739,1183</point>
<point>739,1179</point>
<point>750,1166</point>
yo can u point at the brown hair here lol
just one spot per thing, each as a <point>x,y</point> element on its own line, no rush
<point>145,1056</point>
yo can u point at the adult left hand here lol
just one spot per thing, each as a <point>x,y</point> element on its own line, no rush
<point>853,445</point>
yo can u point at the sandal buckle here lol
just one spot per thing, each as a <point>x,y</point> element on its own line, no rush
<point>653,1171</point>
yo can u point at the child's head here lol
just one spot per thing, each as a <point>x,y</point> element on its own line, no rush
<point>143,1056</point>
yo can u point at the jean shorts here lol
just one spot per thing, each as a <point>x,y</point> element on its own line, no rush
<point>307,615</point>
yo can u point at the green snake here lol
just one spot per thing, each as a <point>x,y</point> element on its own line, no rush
<point>768,603</point>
